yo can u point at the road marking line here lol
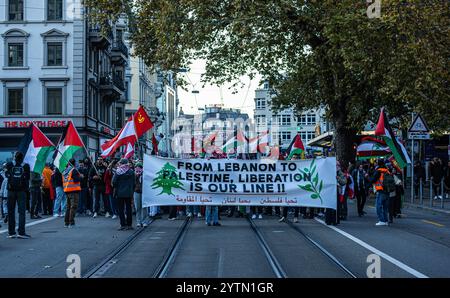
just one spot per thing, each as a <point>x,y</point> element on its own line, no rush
<point>433,223</point>
<point>32,223</point>
<point>376,251</point>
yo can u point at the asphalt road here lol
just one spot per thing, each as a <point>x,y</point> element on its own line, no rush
<point>416,245</point>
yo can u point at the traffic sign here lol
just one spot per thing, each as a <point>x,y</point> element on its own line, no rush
<point>418,136</point>
<point>419,125</point>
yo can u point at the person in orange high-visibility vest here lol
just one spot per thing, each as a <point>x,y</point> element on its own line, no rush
<point>72,188</point>
<point>382,196</point>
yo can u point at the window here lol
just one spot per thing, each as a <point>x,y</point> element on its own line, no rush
<point>260,120</point>
<point>266,85</point>
<point>15,101</point>
<point>284,136</point>
<point>15,10</point>
<point>119,117</point>
<point>306,119</point>
<point>54,54</point>
<point>15,54</point>
<point>285,120</point>
<point>54,101</point>
<point>260,103</point>
<point>54,10</point>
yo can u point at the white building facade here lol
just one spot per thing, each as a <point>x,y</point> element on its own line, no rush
<point>285,124</point>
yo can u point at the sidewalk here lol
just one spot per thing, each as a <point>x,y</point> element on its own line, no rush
<point>439,205</point>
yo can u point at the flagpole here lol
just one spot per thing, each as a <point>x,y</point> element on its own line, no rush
<point>135,134</point>
<point>87,153</point>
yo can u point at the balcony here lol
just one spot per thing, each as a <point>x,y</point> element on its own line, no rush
<point>112,86</point>
<point>98,39</point>
<point>119,53</point>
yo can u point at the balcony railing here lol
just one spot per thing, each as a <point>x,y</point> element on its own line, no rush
<point>120,46</point>
<point>118,82</point>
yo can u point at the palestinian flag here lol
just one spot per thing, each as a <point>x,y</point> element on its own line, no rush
<point>69,143</point>
<point>296,146</point>
<point>372,148</point>
<point>232,145</point>
<point>35,147</point>
<point>384,129</point>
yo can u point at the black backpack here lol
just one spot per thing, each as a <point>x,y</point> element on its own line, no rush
<point>388,183</point>
<point>16,178</point>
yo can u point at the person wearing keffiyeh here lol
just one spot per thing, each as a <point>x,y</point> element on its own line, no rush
<point>124,184</point>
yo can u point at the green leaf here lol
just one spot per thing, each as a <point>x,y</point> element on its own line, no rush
<point>320,185</point>
<point>306,170</point>
<point>314,196</point>
<point>313,170</point>
<point>316,179</point>
<point>307,187</point>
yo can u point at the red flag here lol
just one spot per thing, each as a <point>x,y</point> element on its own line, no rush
<point>126,135</point>
<point>142,122</point>
<point>155,144</point>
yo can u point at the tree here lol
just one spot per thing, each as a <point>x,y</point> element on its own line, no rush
<point>167,179</point>
<point>320,53</point>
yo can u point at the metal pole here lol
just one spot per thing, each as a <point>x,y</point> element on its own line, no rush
<point>442,193</point>
<point>431,191</point>
<point>421,191</point>
<point>412,171</point>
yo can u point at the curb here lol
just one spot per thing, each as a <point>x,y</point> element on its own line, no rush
<point>427,208</point>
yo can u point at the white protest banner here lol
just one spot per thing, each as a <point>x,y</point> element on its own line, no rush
<point>229,182</point>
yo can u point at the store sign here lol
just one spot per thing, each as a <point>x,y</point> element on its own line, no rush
<point>22,123</point>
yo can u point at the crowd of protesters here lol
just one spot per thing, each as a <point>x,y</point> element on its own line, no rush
<point>113,189</point>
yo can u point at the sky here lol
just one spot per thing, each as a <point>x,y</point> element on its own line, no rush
<point>211,94</point>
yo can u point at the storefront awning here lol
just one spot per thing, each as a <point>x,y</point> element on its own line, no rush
<point>324,140</point>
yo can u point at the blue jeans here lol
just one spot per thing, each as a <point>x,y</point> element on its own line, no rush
<point>60,201</point>
<point>382,206</point>
<point>154,210</point>
<point>214,216</point>
<point>141,213</point>
<point>113,202</point>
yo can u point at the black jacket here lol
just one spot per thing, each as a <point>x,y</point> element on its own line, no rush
<point>363,184</point>
<point>101,173</point>
<point>57,179</point>
<point>124,184</point>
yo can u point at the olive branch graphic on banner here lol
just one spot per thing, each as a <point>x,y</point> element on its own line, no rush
<point>314,187</point>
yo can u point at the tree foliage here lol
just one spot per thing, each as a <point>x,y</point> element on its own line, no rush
<point>315,53</point>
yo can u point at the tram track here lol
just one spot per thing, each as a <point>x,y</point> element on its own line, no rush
<point>323,250</point>
<point>103,266</point>
<point>113,257</point>
<point>169,258</point>
<point>271,258</point>
<point>275,264</point>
